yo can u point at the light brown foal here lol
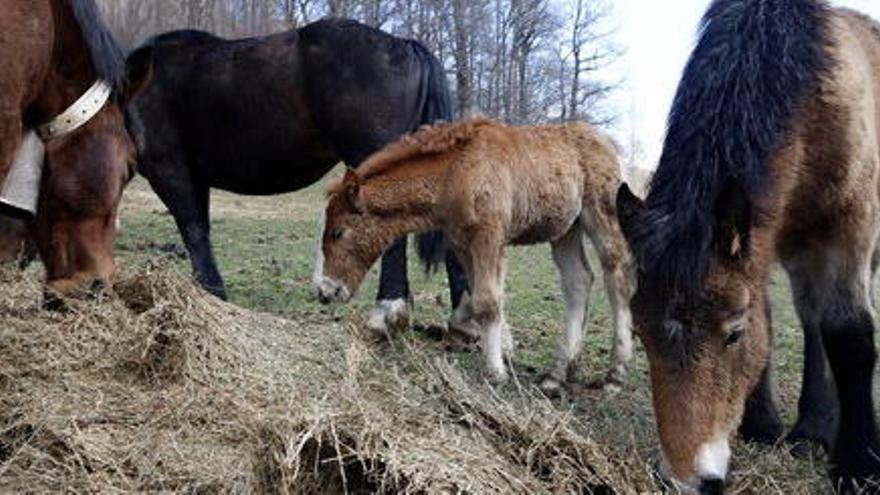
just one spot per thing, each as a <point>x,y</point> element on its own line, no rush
<point>486,186</point>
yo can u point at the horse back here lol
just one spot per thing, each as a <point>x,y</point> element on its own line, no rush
<point>273,114</point>
<point>235,111</point>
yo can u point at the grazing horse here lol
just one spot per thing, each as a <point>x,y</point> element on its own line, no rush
<point>274,114</point>
<point>771,155</point>
<point>53,54</point>
<point>485,186</point>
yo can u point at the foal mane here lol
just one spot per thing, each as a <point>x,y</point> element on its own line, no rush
<point>753,64</point>
<point>428,140</point>
<point>107,56</point>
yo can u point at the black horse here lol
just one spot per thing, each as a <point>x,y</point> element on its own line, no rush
<point>274,114</point>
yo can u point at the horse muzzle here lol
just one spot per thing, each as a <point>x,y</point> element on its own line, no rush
<point>329,291</point>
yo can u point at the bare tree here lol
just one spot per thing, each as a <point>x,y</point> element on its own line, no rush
<point>517,60</point>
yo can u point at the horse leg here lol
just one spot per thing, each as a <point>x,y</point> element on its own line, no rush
<point>391,313</point>
<point>188,204</point>
<point>577,281</point>
<point>613,255</point>
<point>461,325</point>
<point>817,406</point>
<point>487,303</point>
<point>847,326</point>
<point>761,422</point>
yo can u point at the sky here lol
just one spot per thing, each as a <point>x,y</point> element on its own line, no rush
<point>657,37</point>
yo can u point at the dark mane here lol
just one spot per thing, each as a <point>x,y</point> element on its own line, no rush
<point>107,56</point>
<point>754,62</point>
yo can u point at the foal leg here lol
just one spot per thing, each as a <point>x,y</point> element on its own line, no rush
<point>462,329</point>
<point>577,282</point>
<point>487,257</point>
<point>614,256</point>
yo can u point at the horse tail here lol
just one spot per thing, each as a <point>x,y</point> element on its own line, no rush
<point>431,246</point>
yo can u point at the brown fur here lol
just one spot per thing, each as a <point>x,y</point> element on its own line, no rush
<point>485,185</point>
<point>46,67</point>
<point>822,220</point>
<point>15,242</point>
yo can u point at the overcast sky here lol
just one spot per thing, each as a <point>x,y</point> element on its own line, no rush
<point>657,36</point>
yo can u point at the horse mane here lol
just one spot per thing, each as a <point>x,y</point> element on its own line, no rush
<point>107,55</point>
<point>754,62</point>
<point>428,140</point>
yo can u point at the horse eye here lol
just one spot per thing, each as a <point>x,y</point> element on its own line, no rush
<point>735,336</point>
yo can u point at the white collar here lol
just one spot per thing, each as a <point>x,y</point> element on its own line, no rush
<point>86,107</point>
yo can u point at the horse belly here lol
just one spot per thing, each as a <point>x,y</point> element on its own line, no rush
<point>546,217</point>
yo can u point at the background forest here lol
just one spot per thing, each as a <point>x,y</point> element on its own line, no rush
<point>522,61</point>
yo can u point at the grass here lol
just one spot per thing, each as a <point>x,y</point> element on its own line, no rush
<point>265,249</point>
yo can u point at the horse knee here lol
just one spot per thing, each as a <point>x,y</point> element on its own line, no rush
<point>485,309</point>
<point>849,342</point>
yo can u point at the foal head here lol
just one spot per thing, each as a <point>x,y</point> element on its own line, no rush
<point>350,243</point>
<point>707,345</point>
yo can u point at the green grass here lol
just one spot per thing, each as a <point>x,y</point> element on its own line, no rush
<point>265,254</point>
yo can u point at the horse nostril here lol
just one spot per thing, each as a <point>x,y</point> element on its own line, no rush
<point>323,298</point>
<point>711,486</point>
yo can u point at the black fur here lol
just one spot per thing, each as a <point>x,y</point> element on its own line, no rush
<point>431,246</point>
<point>274,114</point>
<point>107,56</point>
<point>848,336</point>
<point>754,62</point>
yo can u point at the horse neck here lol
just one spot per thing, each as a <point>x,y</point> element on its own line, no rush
<point>71,72</point>
<point>403,205</point>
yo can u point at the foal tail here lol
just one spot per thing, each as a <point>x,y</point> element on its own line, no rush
<point>431,246</point>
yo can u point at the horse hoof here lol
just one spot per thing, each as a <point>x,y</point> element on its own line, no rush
<point>552,387</point>
<point>389,317</point>
<point>465,331</point>
<point>497,377</point>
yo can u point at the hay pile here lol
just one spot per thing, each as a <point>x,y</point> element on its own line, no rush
<point>161,388</point>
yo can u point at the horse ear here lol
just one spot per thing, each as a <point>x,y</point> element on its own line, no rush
<point>630,209</point>
<point>733,213</point>
<point>351,187</point>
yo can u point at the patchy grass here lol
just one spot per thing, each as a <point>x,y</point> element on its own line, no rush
<point>265,248</point>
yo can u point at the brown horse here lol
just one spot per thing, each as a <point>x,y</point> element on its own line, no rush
<point>486,185</point>
<point>771,155</point>
<point>53,52</point>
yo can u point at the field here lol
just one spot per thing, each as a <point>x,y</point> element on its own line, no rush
<point>265,248</point>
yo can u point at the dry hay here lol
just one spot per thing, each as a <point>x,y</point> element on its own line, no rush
<point>162,388</point>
